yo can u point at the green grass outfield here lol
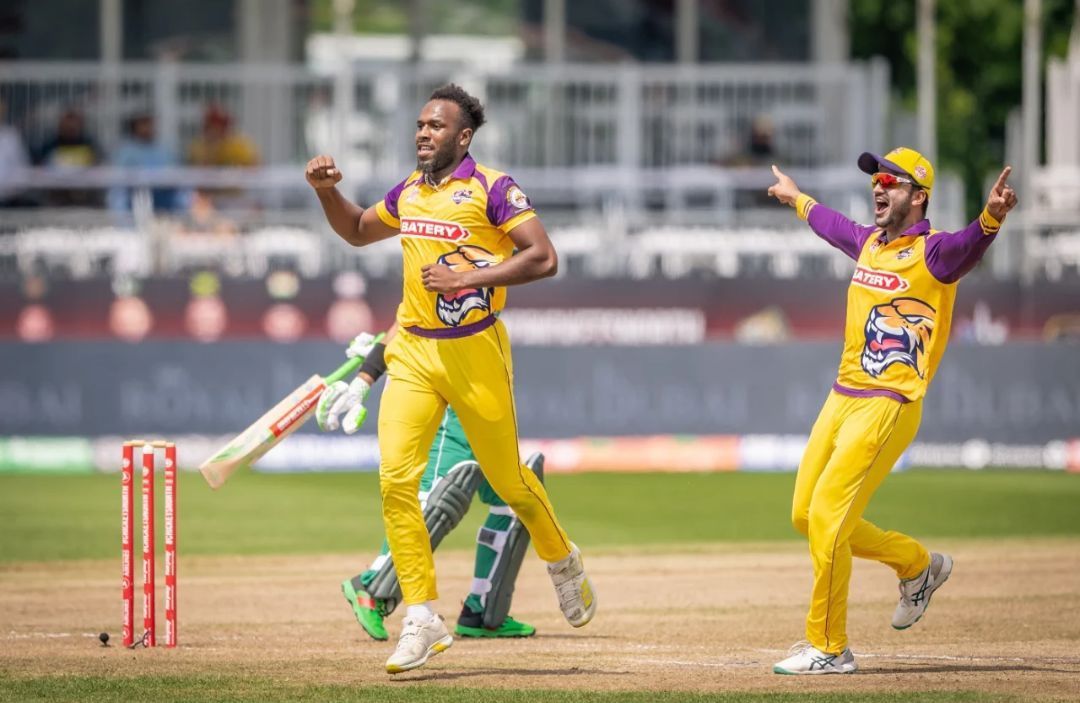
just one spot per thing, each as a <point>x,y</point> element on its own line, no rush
<point>51,517</point>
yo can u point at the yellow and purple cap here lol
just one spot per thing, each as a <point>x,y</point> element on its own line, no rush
<point>901,160</point>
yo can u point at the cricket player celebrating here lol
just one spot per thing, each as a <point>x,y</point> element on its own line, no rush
<point>899,310</point>
<point>467,232</point>
<point>446,490</point>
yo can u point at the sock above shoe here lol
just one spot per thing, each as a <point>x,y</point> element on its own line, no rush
<point>421,612</point>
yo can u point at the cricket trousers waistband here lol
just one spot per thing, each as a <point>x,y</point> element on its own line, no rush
<point>454,332</point>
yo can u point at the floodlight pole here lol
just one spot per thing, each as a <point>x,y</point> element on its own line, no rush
<point>111,37</point>
<point>926,79</point>
<point>343,77</point>
<point>554,31</point>
<point>1032,122</point>
<point>686,32</point>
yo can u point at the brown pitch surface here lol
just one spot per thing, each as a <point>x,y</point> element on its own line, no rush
<point>705,619</point>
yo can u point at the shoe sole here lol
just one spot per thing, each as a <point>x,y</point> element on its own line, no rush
<point>589,613</point>
<point>440,646</point>
<point>590,609</point>
<point>350,596</point>
<point>820,672</point>
<point>948,572</point>
<point>479,632</point>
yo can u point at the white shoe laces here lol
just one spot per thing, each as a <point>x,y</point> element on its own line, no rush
<point>409,632</point>
<point>567,589</point>
<point>566,586</point>
<point>921,583</point>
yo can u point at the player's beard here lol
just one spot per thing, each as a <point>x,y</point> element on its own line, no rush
<point>896,214</point>
<point>439,160</point>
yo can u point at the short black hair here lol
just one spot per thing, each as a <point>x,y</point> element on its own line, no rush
<point>472,112</point>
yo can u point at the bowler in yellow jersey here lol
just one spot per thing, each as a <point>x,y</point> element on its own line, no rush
<point>467,231</point>
<point>899,310</point>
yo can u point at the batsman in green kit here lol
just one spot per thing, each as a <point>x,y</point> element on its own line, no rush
<point>450,480</point>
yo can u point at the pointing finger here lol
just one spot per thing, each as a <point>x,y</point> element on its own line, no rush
<point>1002,178</point>
<point>776,172</point>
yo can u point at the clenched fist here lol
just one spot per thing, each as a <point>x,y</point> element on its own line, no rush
<point>322,172</point>
<point>440,278</point>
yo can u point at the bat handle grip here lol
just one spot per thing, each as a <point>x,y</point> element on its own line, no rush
<point>351,366</point>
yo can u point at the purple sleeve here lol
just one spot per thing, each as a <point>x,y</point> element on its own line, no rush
<point>506,201</point>
<point>838,230</point>
<point>950,255</point>
<point>390,202</point>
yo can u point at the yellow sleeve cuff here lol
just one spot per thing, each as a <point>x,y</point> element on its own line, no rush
<point>384,215</point>
<point>517,220</point>
<point>803,204</point>
<point>988,223</point>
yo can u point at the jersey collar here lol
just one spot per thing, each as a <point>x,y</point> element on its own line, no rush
<point>464,171</point>
<point>916,230</point>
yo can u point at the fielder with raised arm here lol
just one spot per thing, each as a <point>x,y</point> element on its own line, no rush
<point>899,310</point>
<point>467,232</point>
<point>446,491</point>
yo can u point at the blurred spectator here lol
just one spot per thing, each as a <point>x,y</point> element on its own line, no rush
<point>759,152</point>
<point>760,149</point>
<point>140,150</point>
<point>13,158</point>
<point>71,149</point>
<point>761,140</point>
<point>219,144</point>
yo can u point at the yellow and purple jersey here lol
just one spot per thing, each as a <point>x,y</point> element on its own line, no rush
<point>463,223</point>
<point>900,300</point>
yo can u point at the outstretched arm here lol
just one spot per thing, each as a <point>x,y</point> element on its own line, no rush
<point>950,255</point>
<point>356,225</point>
<point>830,225</point>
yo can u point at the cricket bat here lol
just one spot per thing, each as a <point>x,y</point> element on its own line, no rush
<point>277,424</point>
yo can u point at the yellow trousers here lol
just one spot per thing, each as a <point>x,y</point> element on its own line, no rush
<point>853,446</point>
<point>475,376</point>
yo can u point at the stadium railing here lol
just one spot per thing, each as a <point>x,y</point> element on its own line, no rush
<point>541,116</point>
<point>609,153</point>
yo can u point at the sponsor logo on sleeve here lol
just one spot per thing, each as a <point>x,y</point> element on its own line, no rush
<point>433,229</point>
<point>878,280</point>
<point>517,198</point>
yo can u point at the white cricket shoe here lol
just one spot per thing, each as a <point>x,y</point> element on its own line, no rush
<point>419,641</point>
<point>804,659</point>
<point>915,593</point>
<point>577,599</point>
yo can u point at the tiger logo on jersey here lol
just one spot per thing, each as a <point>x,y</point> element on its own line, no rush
<point>897,333</point>
<point>452,308</point>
